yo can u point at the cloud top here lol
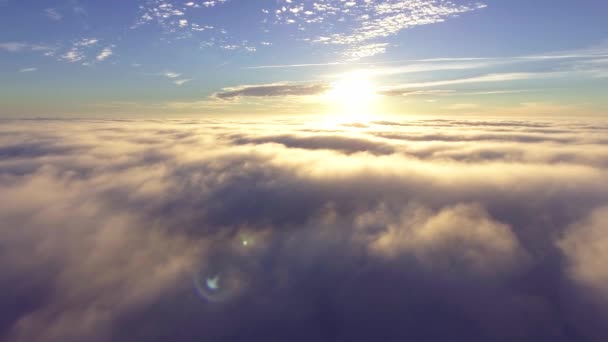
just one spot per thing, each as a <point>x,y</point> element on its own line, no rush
<point>404,229</point>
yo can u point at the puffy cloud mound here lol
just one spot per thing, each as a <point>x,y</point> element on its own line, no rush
<point>462,238</point>
<point>586,245</point>
<point>289,230</point>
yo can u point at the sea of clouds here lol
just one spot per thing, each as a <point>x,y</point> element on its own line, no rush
<point>289,230</point>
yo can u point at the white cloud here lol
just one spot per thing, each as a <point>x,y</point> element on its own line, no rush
<point>182,81</point>
<point>18,46</point>
<point>72,55</point>
<point>585,244</point>
<point>170,74</point>
<point>366,50</point>
<point>86,42</point>
<point>489,78</point>
<point>79,50</point>
<point>465,235</point>
<point>105,54</point>
<point>176,78</point>
<point>172,17</point>
<point>364,24</point>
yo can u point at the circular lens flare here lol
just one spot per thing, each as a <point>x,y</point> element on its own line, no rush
<point>220,280</point>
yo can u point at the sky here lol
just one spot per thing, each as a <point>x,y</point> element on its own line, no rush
<point>306,171</point>
<point>168,58</point>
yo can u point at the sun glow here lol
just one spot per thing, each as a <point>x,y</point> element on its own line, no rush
<point>353,96</point>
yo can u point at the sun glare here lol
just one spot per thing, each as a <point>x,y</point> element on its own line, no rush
<point>353,96</point>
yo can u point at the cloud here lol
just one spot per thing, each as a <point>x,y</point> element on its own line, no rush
<point>28,69</point>
<point>288,66</point>
<point>190,20</point>
<point>105,54</point>
<point>182,81</point>
<point>455,63</point>
<point>53,14</point>
<point>464,234</point>
<point>363,25</point>
<point>490,78</point>
<point>273,89</point>
<point>18,46</point>
<point>175,77</point>
<point>169,15</point>
<point>171,74</point>
<point>294,230</point>
<point>318,142</point>
<point>366,50</point>
<point>80,49</point>
<point>472,72</point>
<point>586,247</point>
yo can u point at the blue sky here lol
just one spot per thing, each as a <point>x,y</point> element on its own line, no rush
<point>80,58</point>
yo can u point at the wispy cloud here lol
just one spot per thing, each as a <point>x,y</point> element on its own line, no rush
<point>408,68</point>
<point>28,69</point>
<point>175,77</point>
<point>288,66</point>
<point>83,50</point>
<point>189,20</point>
<point>79,50</point>
<point>429,88</point>
<point>171,16</point>
<point>182,81</point>
<point>53,14</point>
<point>406,88</point>
<point>19,46</point>
<point>170,74</point>
<point>446,63</point>
<point>364,23</point>
<point>105,54</point>
<point>365,50</point>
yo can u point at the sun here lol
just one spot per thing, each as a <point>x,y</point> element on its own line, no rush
<point>353,95</point>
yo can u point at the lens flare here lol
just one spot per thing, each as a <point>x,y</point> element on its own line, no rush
<point>220,279</point>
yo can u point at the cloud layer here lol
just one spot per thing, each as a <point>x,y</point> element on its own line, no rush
<point>477,230</point>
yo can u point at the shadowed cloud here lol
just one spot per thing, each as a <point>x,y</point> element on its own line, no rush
<point>269,90</point>
<point>223,231</point>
